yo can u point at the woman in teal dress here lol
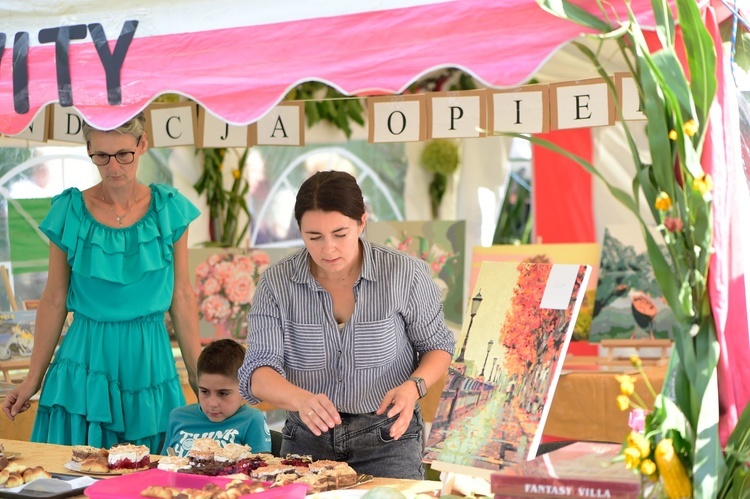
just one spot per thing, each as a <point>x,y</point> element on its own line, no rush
<point>118,261</point>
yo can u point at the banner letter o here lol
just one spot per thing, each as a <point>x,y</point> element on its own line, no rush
<point>403,123</point>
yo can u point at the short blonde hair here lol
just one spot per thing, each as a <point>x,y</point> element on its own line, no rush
<point>135,126</point>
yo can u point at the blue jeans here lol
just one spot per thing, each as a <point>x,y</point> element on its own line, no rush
<point>362,440</point>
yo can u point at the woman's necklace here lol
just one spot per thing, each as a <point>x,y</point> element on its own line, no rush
<point>111,207</point>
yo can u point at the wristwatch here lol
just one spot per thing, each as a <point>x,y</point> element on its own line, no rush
<point>421,386</point>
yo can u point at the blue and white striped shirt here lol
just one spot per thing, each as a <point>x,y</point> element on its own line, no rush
<point>397,316</point>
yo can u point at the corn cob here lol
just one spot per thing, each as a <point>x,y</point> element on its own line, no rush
<point>676,482</point>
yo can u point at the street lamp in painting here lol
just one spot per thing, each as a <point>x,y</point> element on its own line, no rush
<point>489,347</point>
<point>492,369</point>
<point>475,302</point>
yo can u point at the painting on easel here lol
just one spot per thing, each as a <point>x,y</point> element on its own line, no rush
<point>506,366</point>
<point>568,253</point>
<point>629,303</point>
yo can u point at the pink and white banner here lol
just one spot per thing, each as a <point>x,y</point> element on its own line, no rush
<point>108,60</point>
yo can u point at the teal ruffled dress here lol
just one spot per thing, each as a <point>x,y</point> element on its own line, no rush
<point>113,379</point>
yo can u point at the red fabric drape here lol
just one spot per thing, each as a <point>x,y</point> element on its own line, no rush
<point>722,158</point>
<point>563,204</point>
<point>563,198</point>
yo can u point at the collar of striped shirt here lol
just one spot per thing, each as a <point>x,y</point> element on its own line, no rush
<point>303,275</point>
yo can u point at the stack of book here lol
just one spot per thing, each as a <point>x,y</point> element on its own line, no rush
<point>581,469</point>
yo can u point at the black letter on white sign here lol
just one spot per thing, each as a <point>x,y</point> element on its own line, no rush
<point>279,125</point>
<point>168,130</point>
<point>518,112</point>
<point>403,122</point>
<point>455,117</point>
<point>580,105</point>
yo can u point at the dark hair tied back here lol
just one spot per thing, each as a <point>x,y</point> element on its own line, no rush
<point>330,191</point>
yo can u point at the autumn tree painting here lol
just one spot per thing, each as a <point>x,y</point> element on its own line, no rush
<point>491,414</point>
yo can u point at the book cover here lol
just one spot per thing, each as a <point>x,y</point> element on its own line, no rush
<point>496,396</point>
<point>581,469</point>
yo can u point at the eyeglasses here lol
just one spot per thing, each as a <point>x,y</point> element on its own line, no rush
<point>122,157</point>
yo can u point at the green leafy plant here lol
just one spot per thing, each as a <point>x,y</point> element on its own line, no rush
<point>679,194</point>
<point>324,103</point>
<point>225,206</point>
<point>440,157</point>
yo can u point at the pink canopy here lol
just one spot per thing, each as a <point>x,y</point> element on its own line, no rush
<point>238,62</point>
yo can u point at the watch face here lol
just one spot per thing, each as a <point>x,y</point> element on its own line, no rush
<point>421,386</point>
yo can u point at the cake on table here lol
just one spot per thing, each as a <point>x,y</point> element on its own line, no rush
<point>173,463</point>
<point>202,452</point>
<point>206,457</point>
<point>232,453</point>
<point>129,457</point>
<point>83,452</point>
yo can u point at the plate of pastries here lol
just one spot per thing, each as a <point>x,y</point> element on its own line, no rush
<point>117,460</point>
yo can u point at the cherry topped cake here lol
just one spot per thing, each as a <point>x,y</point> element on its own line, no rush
<point>129,457</point>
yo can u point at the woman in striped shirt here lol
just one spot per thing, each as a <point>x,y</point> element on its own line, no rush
<point>346,336</point>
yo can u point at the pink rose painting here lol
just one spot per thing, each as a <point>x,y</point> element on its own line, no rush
<point>224,286</point>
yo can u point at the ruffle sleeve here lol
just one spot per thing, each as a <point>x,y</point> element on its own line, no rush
<point>174,212</point>
<point>63,219</point>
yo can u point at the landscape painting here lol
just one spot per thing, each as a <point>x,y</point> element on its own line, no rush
<point>574,253</point>
<point>629,303</point>
<point>505,369</point>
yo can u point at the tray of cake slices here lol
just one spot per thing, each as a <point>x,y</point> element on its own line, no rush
<point>205,461</point>
<point>166,484</point>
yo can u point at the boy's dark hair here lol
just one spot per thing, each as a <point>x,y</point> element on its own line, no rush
<point>224,357</point>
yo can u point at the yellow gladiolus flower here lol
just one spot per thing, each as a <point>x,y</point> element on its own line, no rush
<point>690,128</point>
<point>638,441</point>
<point>648,467</point>
<point>632,457</point>
<point>703,184</point>
<point>625,378</point>
<point>623,402</point>
<point>663,202</point>
<point>672,135</point>
<point>627,388</point>
<point>636,361</point>
<point>236,174</point>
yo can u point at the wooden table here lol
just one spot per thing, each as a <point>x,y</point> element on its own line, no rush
<point>53,457</point>
<point>584,404</point>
